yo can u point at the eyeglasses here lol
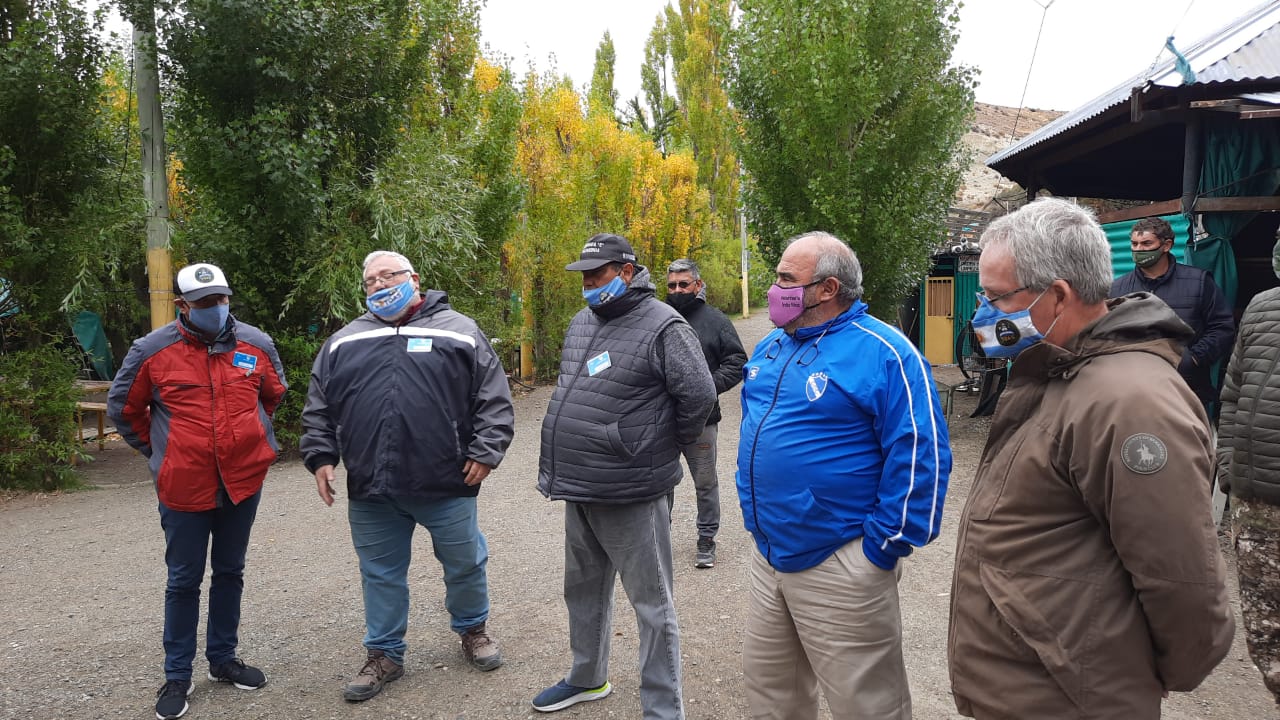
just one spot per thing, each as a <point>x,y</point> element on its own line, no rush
<point>385,278</point>
<point>682,284</point>
<point>1001,296</point>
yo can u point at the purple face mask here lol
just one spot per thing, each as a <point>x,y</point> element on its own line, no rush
<point>787,304</point>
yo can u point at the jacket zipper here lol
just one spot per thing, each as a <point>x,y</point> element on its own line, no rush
<point>551,483</point>
<point>755,443</point>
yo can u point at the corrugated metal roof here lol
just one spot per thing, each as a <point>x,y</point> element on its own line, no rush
<point>1246,49</point>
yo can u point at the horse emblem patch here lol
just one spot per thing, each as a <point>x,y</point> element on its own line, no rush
<point>815,386</point>
<point>1144,453</point>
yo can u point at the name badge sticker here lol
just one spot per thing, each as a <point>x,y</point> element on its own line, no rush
<point>599,363</point>
<point>419,344</point>
<point>245,361</point>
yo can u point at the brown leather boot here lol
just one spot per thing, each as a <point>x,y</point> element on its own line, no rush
<point>378,670</point>
<point>479,649</point>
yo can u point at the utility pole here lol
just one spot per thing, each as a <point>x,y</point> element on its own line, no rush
<point>155,180</point>
<point>746,265</point>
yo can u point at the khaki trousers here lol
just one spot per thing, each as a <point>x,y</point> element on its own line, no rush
<point>836,626</point>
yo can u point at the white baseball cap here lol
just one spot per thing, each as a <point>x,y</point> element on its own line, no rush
<point>201,280</point>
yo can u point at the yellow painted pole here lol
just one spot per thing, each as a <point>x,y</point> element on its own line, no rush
<point>746,267</point>
<point>160,286</point>
<point>526,345</point>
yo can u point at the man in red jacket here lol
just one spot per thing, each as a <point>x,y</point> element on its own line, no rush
<point>196,397</point>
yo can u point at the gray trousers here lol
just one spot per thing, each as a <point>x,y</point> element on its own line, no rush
<point>701,457</point>
<point>634,541</point>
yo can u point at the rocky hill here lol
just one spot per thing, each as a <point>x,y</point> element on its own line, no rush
<point>993,129</point>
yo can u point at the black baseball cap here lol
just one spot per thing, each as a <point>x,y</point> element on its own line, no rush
<point>603,249</point>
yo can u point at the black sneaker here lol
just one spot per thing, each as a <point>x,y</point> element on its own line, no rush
<point>171,701</point>
<point>245,677</point>
<point>706,556</point>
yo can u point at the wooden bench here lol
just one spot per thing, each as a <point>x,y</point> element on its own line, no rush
<point>100,408</point>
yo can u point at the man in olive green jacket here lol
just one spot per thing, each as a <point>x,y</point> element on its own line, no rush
<point>1088,579</point>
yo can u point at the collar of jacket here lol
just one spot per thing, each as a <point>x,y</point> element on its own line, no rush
<point>639,289</point>
<point>1155,282</point>
<point>1139,322</point>
<point>835,324</point>
<point>223,343</point>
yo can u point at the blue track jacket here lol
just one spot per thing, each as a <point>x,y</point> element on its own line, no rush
<point>843,437</point>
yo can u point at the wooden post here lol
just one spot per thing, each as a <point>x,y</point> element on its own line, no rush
<point>155,181</point>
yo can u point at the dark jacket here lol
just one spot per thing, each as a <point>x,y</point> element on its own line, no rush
<point>633,387</point>
<point>1198,301</point>
<point>1249,430</point>
<point>200,412</point>
<point>1088,577</point>
<point>720,345</point>
<point>404,405</point>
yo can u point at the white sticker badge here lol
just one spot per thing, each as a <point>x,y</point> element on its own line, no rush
<point>598,363</point>
<point>419,344</point>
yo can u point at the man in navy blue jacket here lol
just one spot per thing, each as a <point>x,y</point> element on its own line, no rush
<point>843,462</point>
<point>1191,293</point>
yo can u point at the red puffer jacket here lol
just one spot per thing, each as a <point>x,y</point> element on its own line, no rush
<point>200,412</point>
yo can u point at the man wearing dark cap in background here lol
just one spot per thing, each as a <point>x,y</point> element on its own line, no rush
<point>633,388</point>
<point>196,397</point>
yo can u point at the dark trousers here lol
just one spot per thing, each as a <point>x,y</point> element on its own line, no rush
<point>187,536</point>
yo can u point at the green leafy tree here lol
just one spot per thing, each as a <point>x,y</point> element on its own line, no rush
<point>65,197</point>
<point>602,98</point>
<point>852,118</point>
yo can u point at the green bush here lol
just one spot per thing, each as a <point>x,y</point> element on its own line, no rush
<point>37,420</point>
<point>297,352</point>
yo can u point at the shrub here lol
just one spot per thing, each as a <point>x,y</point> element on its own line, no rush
<point>37,420</point>
<point>297,352</point>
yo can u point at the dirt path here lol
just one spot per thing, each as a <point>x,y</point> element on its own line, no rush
<point>83,579</point>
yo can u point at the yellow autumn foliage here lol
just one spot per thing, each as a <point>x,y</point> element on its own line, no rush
<point>585,175</point>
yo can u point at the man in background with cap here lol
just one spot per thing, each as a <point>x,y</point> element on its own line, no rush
<point>196,397</point>
<point>633,388</point>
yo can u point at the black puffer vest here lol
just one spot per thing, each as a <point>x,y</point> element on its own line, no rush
<point>609,435</point>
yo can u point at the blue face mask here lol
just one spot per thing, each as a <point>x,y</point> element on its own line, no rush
<point>1002,334</point>
<point>209,320</point>
<point>606,292</point>
<point>390,302</point>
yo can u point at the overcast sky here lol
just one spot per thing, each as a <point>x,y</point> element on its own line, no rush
<point>1087,47</point>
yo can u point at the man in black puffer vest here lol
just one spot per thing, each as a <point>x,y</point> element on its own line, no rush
<point>1191,293</point>
<point>633,388</point>
<point>725,357</point>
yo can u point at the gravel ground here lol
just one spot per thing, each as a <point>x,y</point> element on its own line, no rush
<point>83,578</point>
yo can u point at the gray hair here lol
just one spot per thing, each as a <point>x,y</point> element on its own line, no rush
<point>684,265</point>
<point>1054,239</point>
<point>837,260</point>
<point>404,261</point>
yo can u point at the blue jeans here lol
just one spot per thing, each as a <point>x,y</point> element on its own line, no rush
<point>186,536</point>
<point>632,540</point>
<point>382,531</point>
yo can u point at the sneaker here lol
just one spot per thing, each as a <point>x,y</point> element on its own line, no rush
<point>562,695</point>
<point>706,556</point>
<point>378,670</point>
<point>245,677</point>
<point>171,701</point>
<point>479,649</point>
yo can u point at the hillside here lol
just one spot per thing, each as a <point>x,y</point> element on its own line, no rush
<point>992,130</point>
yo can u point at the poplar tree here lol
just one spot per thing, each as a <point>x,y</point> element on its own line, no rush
<point>852,123</point>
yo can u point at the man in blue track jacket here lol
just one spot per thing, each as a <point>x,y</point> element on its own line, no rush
<point>842,469</point>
